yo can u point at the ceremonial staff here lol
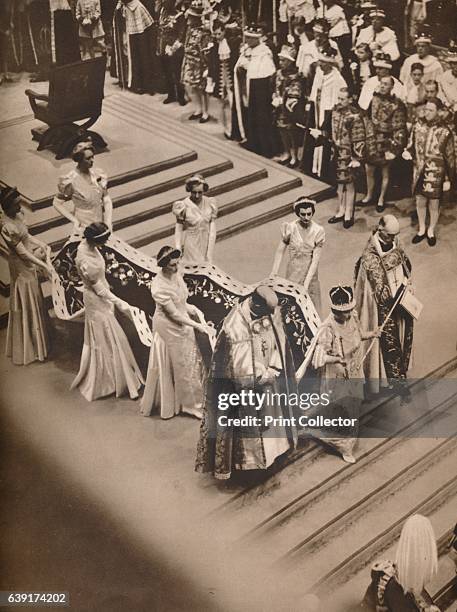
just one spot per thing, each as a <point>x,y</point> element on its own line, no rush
<point>306,129</point>
<point>275,23</point>
<point>259,11</point>
<point>400,295</point>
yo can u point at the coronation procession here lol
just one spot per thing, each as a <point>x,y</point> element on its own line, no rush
<point>228,305</point>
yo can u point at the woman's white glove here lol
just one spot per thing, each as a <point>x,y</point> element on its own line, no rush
<point>123,306</point>
<point>269,376</point>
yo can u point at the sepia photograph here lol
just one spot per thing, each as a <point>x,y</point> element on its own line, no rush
<point>228,305</point>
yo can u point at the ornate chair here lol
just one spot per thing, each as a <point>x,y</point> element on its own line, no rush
<point>75,94</point>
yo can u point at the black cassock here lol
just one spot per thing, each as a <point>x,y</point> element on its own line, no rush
<point>261,133</point>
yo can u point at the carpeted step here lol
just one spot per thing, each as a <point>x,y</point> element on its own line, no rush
<point>125,177</point>
<point>136,189</point>
<point>249,217</point>
<point>229,202</point>
<point>160,204</point>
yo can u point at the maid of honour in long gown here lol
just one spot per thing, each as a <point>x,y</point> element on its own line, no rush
<point>27,336</point>
<point>82,194</point>
<point>176,372</point>
<point>83,198</point>
<point>195,230</point>
<point>107,361</point>
<point>304,240</point>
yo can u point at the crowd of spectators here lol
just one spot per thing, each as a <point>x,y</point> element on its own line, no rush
<point>347,91</point>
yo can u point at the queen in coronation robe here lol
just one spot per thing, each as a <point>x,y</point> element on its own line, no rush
<point>252,353</point>
<point>336,352</point>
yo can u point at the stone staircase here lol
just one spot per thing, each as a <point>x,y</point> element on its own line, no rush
<point>321,523</point>
<point>250,190</point>
<point>314,525</point>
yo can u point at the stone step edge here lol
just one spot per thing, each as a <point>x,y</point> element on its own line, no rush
<point>125,177</point>
<point>363,555</point>
<point>313,449</point>
<point>318,492</point>
<point>193,136</point>
<point>315,541</point>
<point>446,595</point>
<point>162,209</point>
<point>272,215</point>
<point>226,209</point>
<point>225,233</point>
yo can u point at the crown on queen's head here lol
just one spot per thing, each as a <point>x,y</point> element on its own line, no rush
<point>342,298</point>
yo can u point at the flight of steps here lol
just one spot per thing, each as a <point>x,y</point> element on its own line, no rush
<point>321,523</point>
<point>249,189</point>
